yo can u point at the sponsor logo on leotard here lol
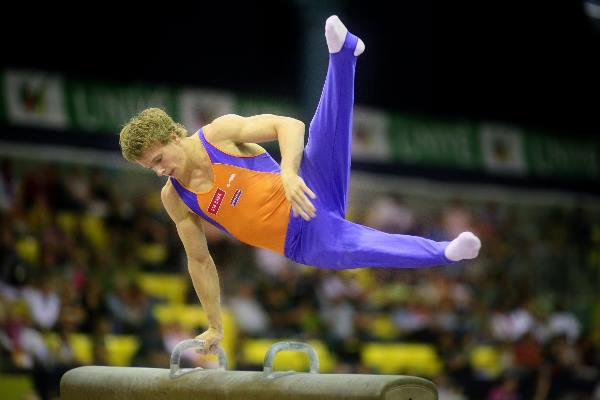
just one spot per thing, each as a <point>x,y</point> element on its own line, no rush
<point>236,197</point>
<point>231,178</point>
<point>216,201</point>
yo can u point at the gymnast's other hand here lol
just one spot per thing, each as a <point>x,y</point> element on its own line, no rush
<point>211,338</point>
<point>298,195</point>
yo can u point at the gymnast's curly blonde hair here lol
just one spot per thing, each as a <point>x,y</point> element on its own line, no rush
<point>146,129</point>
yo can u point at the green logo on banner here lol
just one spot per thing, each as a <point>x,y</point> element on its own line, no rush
<point>105,108</point>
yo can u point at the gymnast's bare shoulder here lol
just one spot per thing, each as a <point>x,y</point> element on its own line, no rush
<point>174,206</point>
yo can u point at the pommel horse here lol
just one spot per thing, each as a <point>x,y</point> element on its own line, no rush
<point>132,383</point>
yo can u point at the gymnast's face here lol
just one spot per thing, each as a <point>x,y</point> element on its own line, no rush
<point>165,159</point>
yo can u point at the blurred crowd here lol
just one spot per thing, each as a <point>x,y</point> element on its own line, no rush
<point>73,241</point>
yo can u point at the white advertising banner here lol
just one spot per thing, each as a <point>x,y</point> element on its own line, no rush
<point>503,149</point>
<point>370,135</point>
<point>35,99</point>
<point>199,107</point>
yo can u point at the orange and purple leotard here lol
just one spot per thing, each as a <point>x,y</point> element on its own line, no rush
<point>248,202</point>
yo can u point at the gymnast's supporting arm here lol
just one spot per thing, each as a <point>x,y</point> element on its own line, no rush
<point>206,283</point>
<point>200,265</point>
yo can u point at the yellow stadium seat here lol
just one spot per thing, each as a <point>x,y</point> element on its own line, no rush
<point>486,359</point>
<point>383,327</point>
<point>193,317</point>
<point>253,350</point>
<point>170,287</point>
<point>152,253</point>
<point>167,313</point>
<point>326,359</point>
<point>121,349</point>
<point>17,386</point>
<point>80,343</point>
<point>28,249</point>
<point>82,347</point>
<point>363,276</point>
<point>230,339</point>
<point>67,221</point>
<point>411,358</point>
<point>189,316</point>
<point>253,353</point>
<point>94,230</point>
<point>153,202</point>
<point>51,340</point>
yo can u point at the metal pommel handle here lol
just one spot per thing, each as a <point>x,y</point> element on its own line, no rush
<point>188,344</point>
<point>295,346</point>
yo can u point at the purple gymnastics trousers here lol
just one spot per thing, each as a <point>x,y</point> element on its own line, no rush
<point>329,240</point>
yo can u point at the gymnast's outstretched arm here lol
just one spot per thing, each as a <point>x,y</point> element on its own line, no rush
<point>200,264</point>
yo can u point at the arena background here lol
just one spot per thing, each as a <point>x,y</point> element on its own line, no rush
<point>468,117</point>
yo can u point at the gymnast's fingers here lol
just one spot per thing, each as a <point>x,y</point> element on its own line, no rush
<point>308,206</point>
<point>303,203</point>
<point>301,212</point>
<point>307,190</point>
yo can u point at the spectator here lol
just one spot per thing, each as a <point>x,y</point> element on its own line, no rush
<point>43,301</point>
<point>506,390</point>
<point>564,322</point>
<point>249,314</point>
<point>130,309</point>
<point>23,343</point>
<point>389,214</point>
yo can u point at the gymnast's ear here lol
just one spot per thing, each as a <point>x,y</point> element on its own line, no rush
<point>175,138</point>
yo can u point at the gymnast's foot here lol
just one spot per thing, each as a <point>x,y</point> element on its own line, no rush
<point>335,33</point>
<point>465,247</point>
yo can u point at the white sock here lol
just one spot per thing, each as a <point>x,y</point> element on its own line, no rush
<point>335,33</point>
<point>464,247</point>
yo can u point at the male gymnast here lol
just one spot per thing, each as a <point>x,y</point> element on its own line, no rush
<point>221,175</point>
